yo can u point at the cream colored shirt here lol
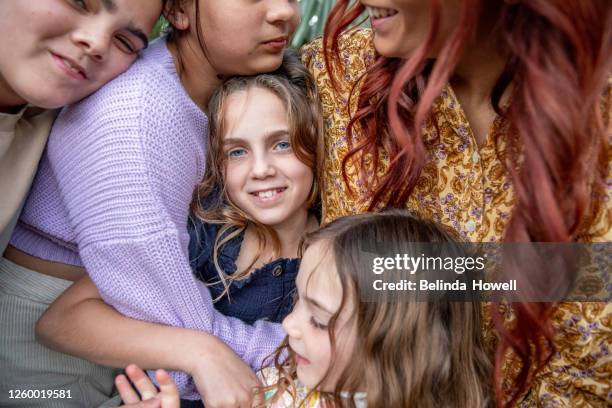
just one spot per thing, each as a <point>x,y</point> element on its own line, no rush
<point>23,136</point>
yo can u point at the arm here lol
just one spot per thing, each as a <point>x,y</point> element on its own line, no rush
<point>126,177</point>
<point>81,324</point>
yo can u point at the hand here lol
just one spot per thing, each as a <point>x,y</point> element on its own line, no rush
<point>168,396</point>
<point>223,379</point>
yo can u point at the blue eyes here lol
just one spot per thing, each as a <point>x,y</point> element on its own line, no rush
<point>284,145</point>
<point>236,153</point>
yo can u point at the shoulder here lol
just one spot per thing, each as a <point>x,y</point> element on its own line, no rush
<point>202,236</point>
<point>356,48</point>
<point>149,87</point>
<point>144,111</point>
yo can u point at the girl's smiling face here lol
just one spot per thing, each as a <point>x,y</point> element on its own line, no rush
<point>263,176</point>
<point>319,298</point>
<point>56,52</point>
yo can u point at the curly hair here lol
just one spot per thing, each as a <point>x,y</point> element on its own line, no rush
<point>295,87</point>
<point>559,62</point>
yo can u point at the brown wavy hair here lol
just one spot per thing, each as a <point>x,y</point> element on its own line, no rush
<point>295,87</point>
<point>558,63</point>
<point>413,349</point>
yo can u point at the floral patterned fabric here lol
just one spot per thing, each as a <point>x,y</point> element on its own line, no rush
<point>466,187</point>
<point>269,377</point>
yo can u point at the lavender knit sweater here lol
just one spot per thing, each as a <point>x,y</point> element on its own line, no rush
<point>112,194</point>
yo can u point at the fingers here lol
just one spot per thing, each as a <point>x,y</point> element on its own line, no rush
<point>169,394</point>
<point>151,403</point>
<point>141,381</point>
<point>128,395</point>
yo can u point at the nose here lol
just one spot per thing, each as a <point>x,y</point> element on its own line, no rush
<point>262,167</point>
<point>290,325</point>
<point>94,42</point>
<point>283,11</point>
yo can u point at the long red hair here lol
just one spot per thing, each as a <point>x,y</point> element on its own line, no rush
<point>558,63</point>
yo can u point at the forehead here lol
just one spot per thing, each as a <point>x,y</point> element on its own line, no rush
<point>254,111</point>
<point>318,276</point>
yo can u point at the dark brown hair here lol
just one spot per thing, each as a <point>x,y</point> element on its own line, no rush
<point>412,349</point>
<point>558,63</point>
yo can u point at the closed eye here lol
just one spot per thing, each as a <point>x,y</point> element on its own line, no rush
<point>125,45</point>
<point>317,325</point>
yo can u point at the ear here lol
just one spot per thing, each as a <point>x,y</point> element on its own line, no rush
<point>177,13</point>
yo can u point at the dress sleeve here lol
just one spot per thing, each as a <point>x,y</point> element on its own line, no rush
<point>337,103</point>
<point>126,170</point>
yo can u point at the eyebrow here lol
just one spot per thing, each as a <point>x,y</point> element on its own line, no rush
<point>318,305</point>
<point>111,7</point>
<point>271,135</point>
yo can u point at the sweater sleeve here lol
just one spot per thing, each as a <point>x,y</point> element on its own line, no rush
<point>126,161</point>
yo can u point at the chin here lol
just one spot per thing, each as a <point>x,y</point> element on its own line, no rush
<point>389,50</point>
<point>268,64</point>
<point>49,102</point>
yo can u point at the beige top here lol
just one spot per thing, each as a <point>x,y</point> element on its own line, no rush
<point>23,136</point>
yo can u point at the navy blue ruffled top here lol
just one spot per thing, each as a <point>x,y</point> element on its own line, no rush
<point>266,294</point>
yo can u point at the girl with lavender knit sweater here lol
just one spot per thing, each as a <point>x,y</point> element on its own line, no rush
<point>52,53</point>
<point>113,192</point>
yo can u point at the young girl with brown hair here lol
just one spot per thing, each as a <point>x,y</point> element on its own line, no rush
<point>491,117</point>
<point>397,349</point>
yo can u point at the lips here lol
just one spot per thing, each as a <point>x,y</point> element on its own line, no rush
<point>299,359</point>
<point>379,13</point>
<point>268,193</point>
<point>70,67</point>
<point>277,43</point>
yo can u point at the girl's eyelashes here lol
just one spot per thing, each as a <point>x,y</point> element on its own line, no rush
<point>283,145</point>
<point>317,325</point>
<point>236,153</point>
<point>126,45</point>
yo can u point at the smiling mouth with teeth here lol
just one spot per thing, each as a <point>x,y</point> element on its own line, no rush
<point>268,193</point>
<point>377,13</point>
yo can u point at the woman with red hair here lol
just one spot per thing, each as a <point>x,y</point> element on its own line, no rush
<point>491,117</point>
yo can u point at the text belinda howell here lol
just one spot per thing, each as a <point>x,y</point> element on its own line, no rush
<point>442,285</point>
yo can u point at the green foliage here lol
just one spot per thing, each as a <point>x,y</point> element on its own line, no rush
<point>314,14</point>
<point>158,28</point>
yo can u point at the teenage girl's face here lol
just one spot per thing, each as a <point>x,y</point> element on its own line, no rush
<point>401,26</point>
<point>246,37</point>
<point>263,176</point>
<point>55,52</point>
<point>319,297</point>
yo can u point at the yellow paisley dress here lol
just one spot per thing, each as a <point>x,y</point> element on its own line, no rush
<point>465,186</point>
